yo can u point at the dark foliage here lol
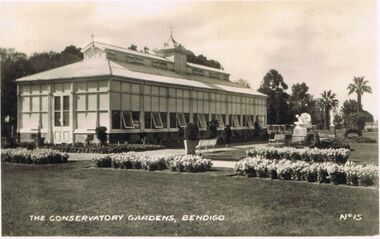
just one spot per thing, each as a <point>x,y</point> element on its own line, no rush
<point>202,60</point>
<point>101,133</point>
<point>191,132</point>
<point>213,128</point>
<point>274,86</point>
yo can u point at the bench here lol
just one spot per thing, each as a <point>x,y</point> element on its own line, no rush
<point>206,143</point>
<point>278,138</point>
<point>326,136</point>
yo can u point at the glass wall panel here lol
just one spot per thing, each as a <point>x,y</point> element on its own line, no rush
<point>115,101</point>
<point>80,87</point>
<point>25,89</point>
<point>91,120</point>
<point>25,104</point>
<point>147,105</point>
<point>57,87</point>
<point>103,102</point>
<point>103,85</point>
<point>163,103</point>
<point>103,119</point>
<point>125,87</point>
<point>179,105</point>
<point>155,104</point>
<point>155,90</point>
<point>135,88</point>
<point>147,90</point>
<point>92,86</point>
<point>125,102</point>
<point>116,119</point>
<point>172,105</point>
<point>34,119</point>
<point>81,102</point>
<point>35,89</point>
<point>44,121</point>
<point>92,102</point>
<point>162,91</point>
<point>81,120</point>
<point>186,105</point>
<point>135,102</point>
<point>44,103</point>
<point>115,86</point>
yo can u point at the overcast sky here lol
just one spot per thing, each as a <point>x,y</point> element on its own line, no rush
<point>324,44</point>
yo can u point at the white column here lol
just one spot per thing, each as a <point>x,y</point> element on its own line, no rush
<point>50,118</point>
<point>72,112</point>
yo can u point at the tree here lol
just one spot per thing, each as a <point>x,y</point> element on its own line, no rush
<point>349,107</point>
<point>300,100</point>
<point>359,87</point>
<point>132,47</point>
<point>202,60</point>
<point>274,87</point>
<point>328,102</point>
<point>244,83</point>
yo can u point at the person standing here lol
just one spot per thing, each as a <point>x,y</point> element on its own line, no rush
<point>228,134</point>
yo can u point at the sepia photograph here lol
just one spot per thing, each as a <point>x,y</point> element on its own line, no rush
<point>189,118</point>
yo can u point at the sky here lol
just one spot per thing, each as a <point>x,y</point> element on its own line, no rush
<point>322,43</point>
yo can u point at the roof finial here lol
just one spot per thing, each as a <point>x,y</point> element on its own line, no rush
<point>92,39</point>
<point>171,31</point>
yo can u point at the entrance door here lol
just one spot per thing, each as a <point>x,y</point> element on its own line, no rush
<point>61,119</point>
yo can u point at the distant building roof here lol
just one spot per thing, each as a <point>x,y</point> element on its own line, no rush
<point>105,46</point>
<point>106,67</point>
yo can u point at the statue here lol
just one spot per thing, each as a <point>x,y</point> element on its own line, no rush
<point>303,123</point>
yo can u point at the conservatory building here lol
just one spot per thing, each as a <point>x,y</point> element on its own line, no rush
<point>133,93</point>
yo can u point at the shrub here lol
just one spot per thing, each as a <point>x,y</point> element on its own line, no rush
<point>101,134</point>
<point>103,161</point>
<point>188,163</point>
<point>191,132</point>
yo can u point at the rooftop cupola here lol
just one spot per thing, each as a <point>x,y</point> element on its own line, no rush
<point>174,51</point>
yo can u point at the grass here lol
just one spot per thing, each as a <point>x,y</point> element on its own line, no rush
<point>252,207</point>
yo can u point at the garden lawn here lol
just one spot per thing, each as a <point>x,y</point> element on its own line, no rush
<point>251,206</point>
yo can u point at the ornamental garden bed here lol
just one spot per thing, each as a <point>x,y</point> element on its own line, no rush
<point>131,160</point>
<point>35,156</point>
<point>327,172</point>
<point>302,154</point>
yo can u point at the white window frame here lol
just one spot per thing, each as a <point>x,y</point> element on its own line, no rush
<point>248,119</point>
<point>159,124</point>
<point>202,120</point>
<point>181,116</point>
<point>235,121</point>
<point>219,118</point>
<point>124,122</point>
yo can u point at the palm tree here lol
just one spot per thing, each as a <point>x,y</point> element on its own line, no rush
<point>328,102</point>
<point>359,87</point>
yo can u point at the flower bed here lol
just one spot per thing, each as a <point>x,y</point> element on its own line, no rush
<point>327,172</point>
<point>187,163</point>
<point>36,156</point>
<point>305,154</point>
<point>131,160</point>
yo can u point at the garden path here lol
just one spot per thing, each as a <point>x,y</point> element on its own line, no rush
<point>216,163</point>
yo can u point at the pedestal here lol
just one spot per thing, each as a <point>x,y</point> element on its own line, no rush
<point>299,133</point>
